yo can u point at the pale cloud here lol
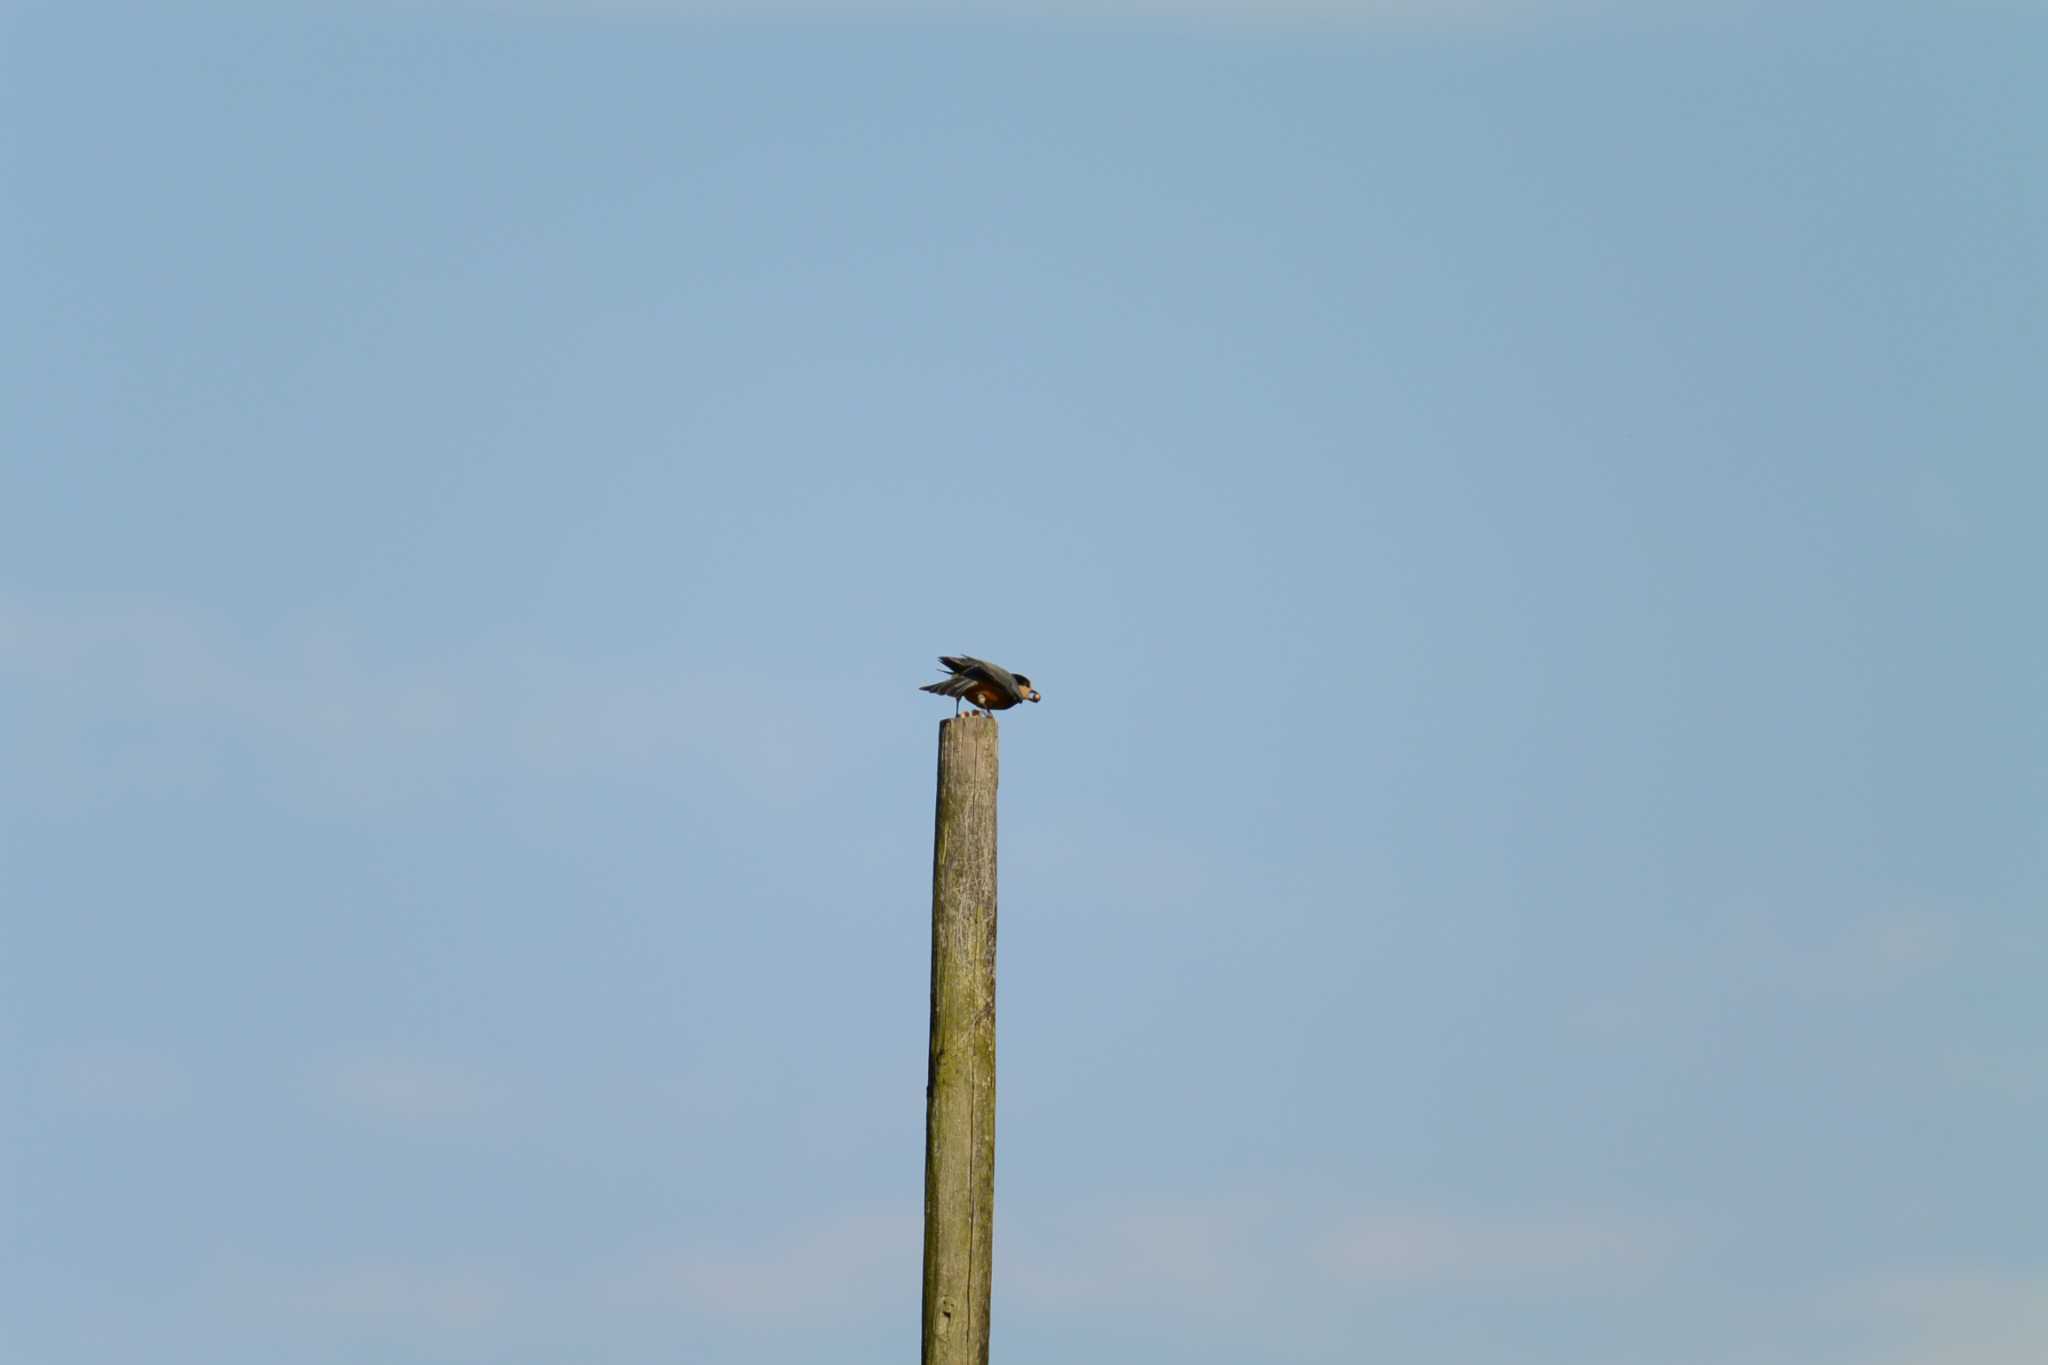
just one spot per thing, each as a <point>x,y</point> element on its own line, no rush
<point>446,1299</point>
<point>394,1298</point>
<point>1232,1256</point>
<point>2020,1077</point>
<point>1376,14</point>
<point>1821,959</point>
<point>1215,1269</point>
<point>1785,949</point>
<point>1956,1317</point>
<point>1209,1267</point>
<point>846,1268</point>
<point>1132,873</point>
<point>839,1267</point>
<point>127,696</point>
<point>1194,1260</point>
<point>1407,1250</point>
<point>1200,1256</point>
<point>1869,953</point>
<point>115,1080</point>
<point>399,1089</point>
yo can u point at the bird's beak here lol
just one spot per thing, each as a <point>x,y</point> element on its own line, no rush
<point>1032,695</point>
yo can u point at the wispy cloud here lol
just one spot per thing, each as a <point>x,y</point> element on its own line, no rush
<point>138,696</point>
<point>1865,954</point>
<point>2015,1075</point>
<point>115,1080</point>
<point>1214,1269</point>
<point>442,1298</point>
<point>1407,1250</point>
<point>845,1270</point>
<point>1796,954</point>
<point>843,1265</point>
<point>1969,1317</point>
<point>398,1089</point>
<point>1207,1255</point>
<point>1195,1261</point>
<point>1273,13</point>
<point>1229,1255</point>
<point>424,1303</point>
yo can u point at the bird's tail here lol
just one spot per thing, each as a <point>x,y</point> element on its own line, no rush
<point>957,685</point>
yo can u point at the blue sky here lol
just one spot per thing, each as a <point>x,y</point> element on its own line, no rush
<point>1525,515</point>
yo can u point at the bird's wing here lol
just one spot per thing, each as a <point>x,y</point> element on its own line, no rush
<point>1004,683</point>
<point>963,670</point>
<point>968,670</point>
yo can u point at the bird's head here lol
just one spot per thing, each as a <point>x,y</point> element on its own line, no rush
<point>1024,686</point>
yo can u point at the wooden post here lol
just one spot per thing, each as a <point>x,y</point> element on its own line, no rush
<point>960,1089</point>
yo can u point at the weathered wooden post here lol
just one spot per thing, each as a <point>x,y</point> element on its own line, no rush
<point>960,1088</point>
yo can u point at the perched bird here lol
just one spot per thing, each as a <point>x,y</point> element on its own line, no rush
<point>982,683</point>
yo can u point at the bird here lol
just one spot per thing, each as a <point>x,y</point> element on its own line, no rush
<point>976,680</point>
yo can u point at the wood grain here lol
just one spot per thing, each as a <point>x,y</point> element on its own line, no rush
<point>960,1088</point>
